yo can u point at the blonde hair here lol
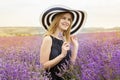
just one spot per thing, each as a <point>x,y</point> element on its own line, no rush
<point>54,24</point>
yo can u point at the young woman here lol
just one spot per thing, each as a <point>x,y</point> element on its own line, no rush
<point>55,48</point>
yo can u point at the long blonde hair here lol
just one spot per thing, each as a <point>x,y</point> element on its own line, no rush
<point>54,24</point>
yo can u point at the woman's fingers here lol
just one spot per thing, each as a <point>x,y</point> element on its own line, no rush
<point>66,45</point>
<point>73,37</point>
<point>65,48</point>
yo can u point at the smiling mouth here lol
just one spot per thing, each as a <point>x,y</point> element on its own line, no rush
<point>65,24</point>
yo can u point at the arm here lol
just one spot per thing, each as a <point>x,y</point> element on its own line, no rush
<point>74,54</point>
<point>74,42</point>
<point>45,53</point>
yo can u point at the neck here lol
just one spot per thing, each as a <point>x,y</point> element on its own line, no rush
<point>59,34</point>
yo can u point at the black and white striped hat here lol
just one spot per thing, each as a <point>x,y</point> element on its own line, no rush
<point>79,17</point>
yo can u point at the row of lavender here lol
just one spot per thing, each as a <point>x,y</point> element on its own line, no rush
<point>98,59</point>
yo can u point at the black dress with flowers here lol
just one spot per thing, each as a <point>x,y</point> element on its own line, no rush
<point>57,70</point>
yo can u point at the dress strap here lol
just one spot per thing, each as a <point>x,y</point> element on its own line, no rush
<point>51,37</point>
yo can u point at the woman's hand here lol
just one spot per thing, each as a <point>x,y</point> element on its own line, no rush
<point>75,44</point>
<point>74,40</point>
<point>65,48</point>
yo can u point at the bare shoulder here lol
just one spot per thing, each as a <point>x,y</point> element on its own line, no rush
<point>47,39</point>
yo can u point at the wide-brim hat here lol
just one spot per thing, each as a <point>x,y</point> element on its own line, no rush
<point>79,17</point>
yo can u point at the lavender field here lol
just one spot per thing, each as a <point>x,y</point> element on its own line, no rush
<point>98,57</point>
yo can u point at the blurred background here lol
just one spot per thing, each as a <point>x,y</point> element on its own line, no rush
<point>102,14</point>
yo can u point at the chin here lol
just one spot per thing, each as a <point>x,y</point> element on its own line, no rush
<point>64,29</point>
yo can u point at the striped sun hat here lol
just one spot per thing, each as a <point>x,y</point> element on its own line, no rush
<point>79,17</point>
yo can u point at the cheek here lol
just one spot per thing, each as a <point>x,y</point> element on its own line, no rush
<point>60,23</point>
<point>69,23</point>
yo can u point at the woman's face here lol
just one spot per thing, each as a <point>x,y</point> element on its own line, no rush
<point>65,21</point>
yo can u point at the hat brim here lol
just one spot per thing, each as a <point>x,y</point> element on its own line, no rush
<point>79,18</point>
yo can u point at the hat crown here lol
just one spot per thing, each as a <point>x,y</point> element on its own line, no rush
<point>79,17</point>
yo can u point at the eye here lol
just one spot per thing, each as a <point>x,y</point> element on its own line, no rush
<point>63,18</point>
<point>69,19</point>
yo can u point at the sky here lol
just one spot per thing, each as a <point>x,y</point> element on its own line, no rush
<point>100,13</point>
